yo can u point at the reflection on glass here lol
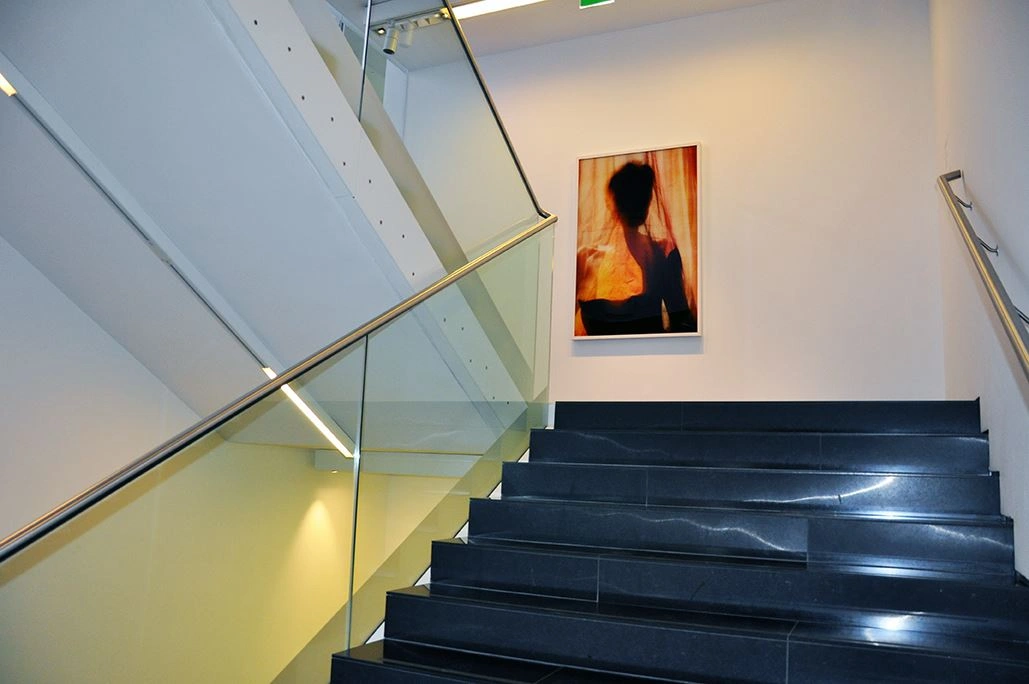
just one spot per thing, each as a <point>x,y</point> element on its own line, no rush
<point>255,546</point>
<point>444,409</point>
<point>428,117</point>
<point>235,551</point>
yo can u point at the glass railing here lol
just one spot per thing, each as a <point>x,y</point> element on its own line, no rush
<point>406,70</point>
<point>254,545</point>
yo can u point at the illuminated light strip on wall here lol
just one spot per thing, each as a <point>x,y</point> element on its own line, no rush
<point>309,414</point>
<point>6,86</point>
<point>474,9</point>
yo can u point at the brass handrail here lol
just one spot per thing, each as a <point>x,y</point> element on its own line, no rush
<point>1010,315</point>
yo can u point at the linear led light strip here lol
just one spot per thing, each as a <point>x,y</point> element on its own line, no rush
<point>310,415</point>
<point>474,9</point>
<point>6,86</point>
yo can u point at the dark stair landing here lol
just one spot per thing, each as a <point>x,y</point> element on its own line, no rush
<point>725,542</point>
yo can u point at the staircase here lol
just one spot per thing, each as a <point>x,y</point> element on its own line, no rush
<point>725,542</point>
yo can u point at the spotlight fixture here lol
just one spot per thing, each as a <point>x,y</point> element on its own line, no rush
<point>399,31</point>
<point>391,40</point>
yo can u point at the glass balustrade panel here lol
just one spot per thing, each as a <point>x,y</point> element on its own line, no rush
<point>426,111</point>
<point>229,562</point>
<point>450,395</point>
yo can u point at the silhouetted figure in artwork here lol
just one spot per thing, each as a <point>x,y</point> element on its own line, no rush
<point>631,190</point>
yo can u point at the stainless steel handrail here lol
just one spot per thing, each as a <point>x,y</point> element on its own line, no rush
<point>1008,312</point>
<point>493,108</point>
<point>46,523</point>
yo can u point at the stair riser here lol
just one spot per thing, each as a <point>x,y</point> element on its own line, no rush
<point>941,606</point>
<point>980,552</point>
<point>393,662</point>
<point>959,417</point>
<point>768,490</point>
<point>663,650</point>
<point>975,552</point>
<point>812,663</point>
<point>681,584</point>
<point>542,573</point>
<point>348,670</point>
<point>676,530</point>
<point>857,453</point>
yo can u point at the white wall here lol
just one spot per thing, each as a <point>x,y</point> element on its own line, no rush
<point>981,68</point>
<point>77,406</point>
<point>61,222</point>
<point>163,98</point>
<point>820,257</point>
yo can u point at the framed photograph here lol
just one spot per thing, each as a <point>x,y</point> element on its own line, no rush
<point>637,271</point>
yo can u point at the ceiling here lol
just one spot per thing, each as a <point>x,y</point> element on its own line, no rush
<point>556,20</point>
<point>544,22</point>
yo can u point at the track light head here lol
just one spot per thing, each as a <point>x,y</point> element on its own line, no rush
<point>391,40</point>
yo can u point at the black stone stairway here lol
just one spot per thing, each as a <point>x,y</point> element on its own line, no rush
<point>725,542</point>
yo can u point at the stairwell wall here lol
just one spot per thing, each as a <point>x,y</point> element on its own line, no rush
<point>164,101</point>
<point>981,70</point>
<point>77,406</point>
<point>819,254</point>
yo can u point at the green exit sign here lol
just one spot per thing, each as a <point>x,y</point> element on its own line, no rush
<point>583,4</point>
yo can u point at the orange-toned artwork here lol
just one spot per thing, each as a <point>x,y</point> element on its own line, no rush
<point>637,269</point>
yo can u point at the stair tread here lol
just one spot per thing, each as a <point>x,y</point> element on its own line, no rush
<point>754,626</point>
<point>784,588</point>
<point>968,548</point>
<point>762,627</point>
<point>887,452</point>
<point>759,489</point>
<point>755,470</point>
<point>790,564</point>
<point>456,665</point>
<point>974,435</point>
<point>989,520</point>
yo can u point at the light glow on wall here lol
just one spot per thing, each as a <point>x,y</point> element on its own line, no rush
<point>475,9</point>
<point>310,415</point>
<point>6,86</point>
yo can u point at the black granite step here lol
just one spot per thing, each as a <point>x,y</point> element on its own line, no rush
<point>976,551</point>
<point>796,451</point>
<point>396,662</point>
<point>626,640</point>
<point>972,549</point>
<point>895,493</point>
<point>880,417</point>
<point>725,542</point>
<point>776,589</point>
<point>680,645</point>
<point>685,530</point>
<point>848,654</point>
